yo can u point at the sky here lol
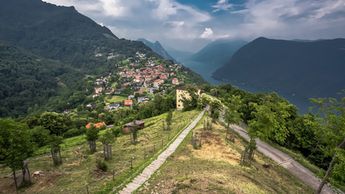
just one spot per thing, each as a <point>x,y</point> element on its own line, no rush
<point>190,24</point>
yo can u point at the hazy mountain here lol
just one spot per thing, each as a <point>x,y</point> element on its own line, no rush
<point>296,69</point>
<point>61,33</point>
<point>157,48</point>
<point>212,56</point>
<point>179,55</point>
<point>218,52</point>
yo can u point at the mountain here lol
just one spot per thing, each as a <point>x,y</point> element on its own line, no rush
<point>179,55</point>
<point>218,52</point>
<point>297,70</point>
<point>157,48</point>
<point>28,81</point>
<point>212,57</point>
<point>45,53</point>
<point>61,33</point>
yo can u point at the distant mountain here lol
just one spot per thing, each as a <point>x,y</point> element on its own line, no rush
<point>218,52</point>
<point>61,33</point>
<point>212,57</point>
<point>297,70</point>
<point>179,55</point>
<point>157,48</point>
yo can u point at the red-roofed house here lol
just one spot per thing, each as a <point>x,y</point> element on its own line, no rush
<point>128,102</point>
<point>175,81</point>
<point>96,125</point>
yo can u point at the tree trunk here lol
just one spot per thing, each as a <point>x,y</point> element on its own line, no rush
<point>110,152</point>
<point>330,168</point>
<point>92,146</point>
<point>56,155</point>
<point>107,152</point>
<point>15,179</point>
<point>26,173</point>
<point>134,136</point>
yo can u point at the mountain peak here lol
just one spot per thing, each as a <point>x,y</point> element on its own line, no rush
<point>157,47</point>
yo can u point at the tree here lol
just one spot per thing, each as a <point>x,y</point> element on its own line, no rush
<point>91,137</point>
<point>40,136</point>
<point>215,107</point>
<point>248,153</point>
<point>134,134</point>
<point>55,149</point>
<point>54,122</point>
<point>168,120</point>
<point>232,114</point>
<point>332,117</point>
<point>15,148</point>
<point>107,138</point>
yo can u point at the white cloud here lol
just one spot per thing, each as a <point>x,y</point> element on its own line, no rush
<point>176,23</point>
<point>221,5</point>
<point>207,34</point>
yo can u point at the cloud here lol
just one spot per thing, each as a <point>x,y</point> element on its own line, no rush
<point>207,34</point>
<point>221,5</point>
<point>188,26</point>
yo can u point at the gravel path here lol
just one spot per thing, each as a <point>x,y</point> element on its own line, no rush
<point>156,164</point>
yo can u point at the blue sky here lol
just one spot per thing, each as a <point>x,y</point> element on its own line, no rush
<point>190,24</point>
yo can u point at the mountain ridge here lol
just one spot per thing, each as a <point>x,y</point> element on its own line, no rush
<point>157,48</point>
<point>291,68</point>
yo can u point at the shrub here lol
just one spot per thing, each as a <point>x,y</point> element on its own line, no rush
<point>40,136</point>
<point>101,165</point>
<point>73,132</point>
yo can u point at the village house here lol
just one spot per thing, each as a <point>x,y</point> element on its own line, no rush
<point>96,125</point>
<point>138,124</point>
<point>128,103</point>
<point>157,83</point>
<point>181,95</point>
<point>114,106</point>
<point>142,99</point>
<point>175,81</point>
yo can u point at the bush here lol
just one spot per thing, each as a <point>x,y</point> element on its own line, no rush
<point>101,165</point>
<point>40,136</point>
<point>73,132</point>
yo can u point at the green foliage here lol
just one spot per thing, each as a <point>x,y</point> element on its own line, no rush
<point>40,136</point>
<point>74,132</point>
<point>101,165</point>
<point>92,133</point>
<point>15,143</point>
<point>271,121</point>
<point>54,122</point>
<point>107,137</point>
<point>339,168</point>
<point>232,114</point>
<point>169,118</point>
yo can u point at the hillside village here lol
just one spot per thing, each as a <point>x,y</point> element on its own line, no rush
<point>136,80</point>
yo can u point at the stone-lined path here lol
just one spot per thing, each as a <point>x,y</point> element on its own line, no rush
<point>156,164</point>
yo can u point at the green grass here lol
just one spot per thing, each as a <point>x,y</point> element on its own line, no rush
<point>79,167</point>
<point>113,99</point>
<point>215,169</point>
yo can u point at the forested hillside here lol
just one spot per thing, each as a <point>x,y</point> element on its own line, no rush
<point>27,80</point>
<point>61,33</point>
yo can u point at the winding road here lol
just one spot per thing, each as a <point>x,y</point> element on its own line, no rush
<point>285,161</point>
<point>156,164</point>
